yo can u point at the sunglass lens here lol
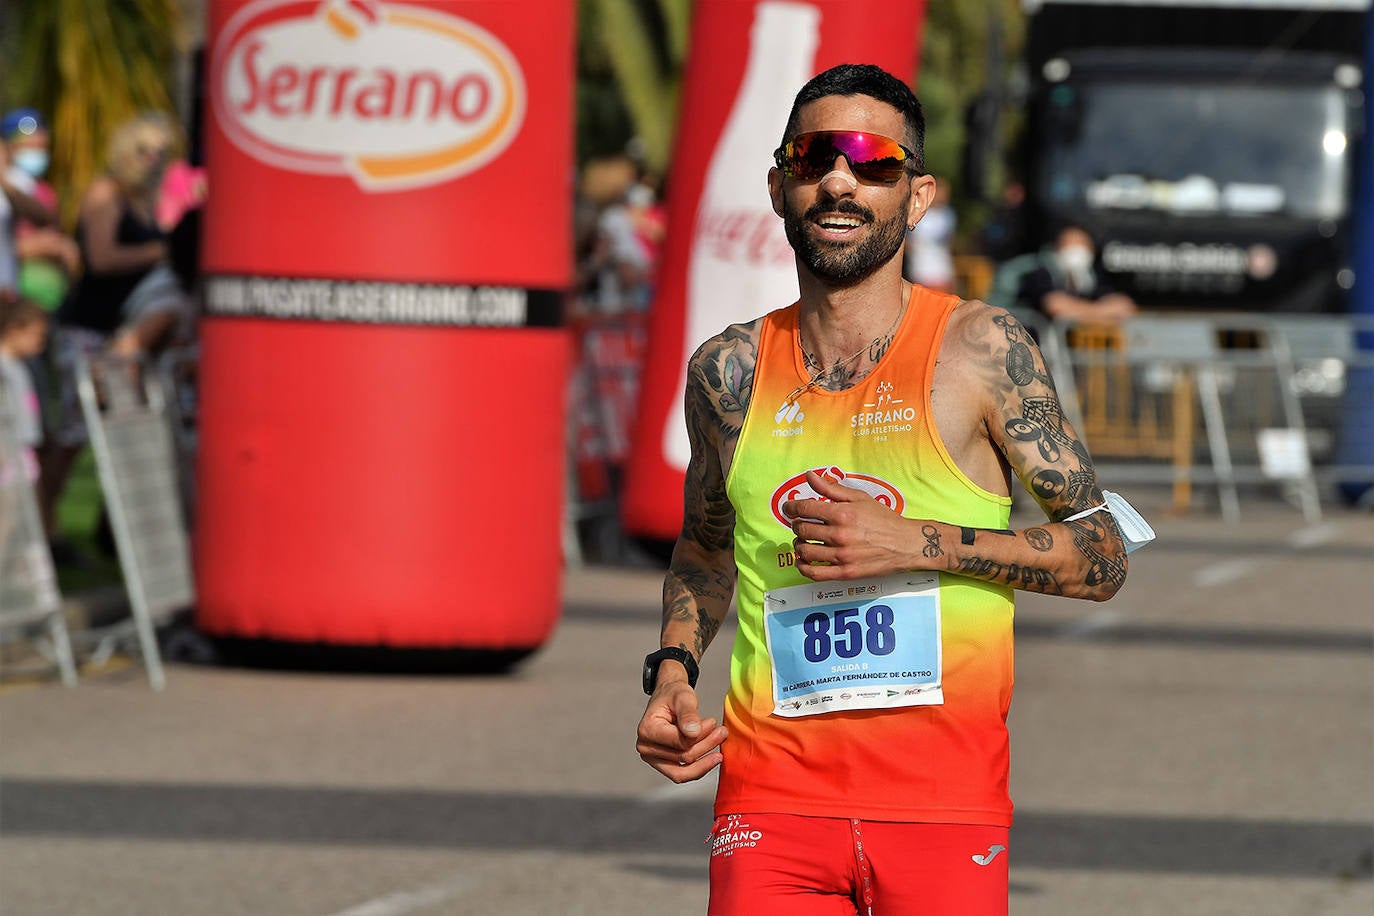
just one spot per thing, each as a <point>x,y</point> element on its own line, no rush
<point>871,157</point>
<point>811,157</point>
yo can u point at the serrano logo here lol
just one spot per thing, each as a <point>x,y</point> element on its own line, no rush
<point>392,95</point>
<point>798,488</point>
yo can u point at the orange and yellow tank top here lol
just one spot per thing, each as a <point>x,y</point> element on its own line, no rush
<point>942,763</point>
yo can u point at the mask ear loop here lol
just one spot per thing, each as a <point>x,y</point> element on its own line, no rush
<point>1085,513</point>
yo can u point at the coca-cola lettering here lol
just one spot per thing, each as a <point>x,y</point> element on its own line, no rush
<point>379,93</point>
<point>744,237</point>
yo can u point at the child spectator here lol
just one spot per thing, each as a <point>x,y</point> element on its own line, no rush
<point>23,333</point>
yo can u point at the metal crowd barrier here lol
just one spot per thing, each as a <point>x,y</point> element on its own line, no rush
<point>178,372</point>
<point>125,410</point>
<point>29,595</point>
<point>1219,399</point>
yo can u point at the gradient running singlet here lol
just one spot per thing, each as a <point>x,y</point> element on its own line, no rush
<point>943,763</point>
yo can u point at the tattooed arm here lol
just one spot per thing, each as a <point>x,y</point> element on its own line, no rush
<point>701,575</point>
<point>673,738</point>
<point>1021,419</point>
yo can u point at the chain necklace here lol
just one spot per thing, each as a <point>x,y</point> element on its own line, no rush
<point>815,378</point>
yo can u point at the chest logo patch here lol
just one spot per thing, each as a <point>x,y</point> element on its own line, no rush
<point>797,488</point>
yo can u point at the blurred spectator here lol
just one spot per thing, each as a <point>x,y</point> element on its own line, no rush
<point>23,333</point>
<point>128,299</point>
<point>183,190</point>
<point>47,257</point>
<point>1004,237</point>
<point>650,219</point>
<point>1068,286</point>
<point>18,201</point>
<point>180,203</point>
<point>620,265</point>
<point>927,259</point>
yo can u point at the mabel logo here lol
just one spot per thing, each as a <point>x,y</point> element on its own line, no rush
<point>797,488</point>
<point>788,419</point>
<point>392,95</point>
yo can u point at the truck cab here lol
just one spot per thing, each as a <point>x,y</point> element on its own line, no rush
<point>1208,148</point>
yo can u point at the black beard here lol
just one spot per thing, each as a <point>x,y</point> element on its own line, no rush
<point>837,264</point>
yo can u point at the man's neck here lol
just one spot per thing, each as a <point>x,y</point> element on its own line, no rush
<point>835,321</point>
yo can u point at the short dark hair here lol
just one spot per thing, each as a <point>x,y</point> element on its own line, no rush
<point>17,312</point>
<point>872,81</point>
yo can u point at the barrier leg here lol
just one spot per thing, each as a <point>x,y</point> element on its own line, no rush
<point>62,649</point>
<point>1183,442</point>
<point>1216,440</point>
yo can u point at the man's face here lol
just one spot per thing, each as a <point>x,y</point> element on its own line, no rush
<point>842,227</point>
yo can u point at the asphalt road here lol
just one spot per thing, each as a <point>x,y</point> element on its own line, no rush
<point>1202,744</point>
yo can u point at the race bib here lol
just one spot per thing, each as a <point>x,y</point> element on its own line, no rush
<point>861,644</point>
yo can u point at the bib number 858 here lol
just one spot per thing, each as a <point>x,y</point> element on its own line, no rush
<point>851,635</point>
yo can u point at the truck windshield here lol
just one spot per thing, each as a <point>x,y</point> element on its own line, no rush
<point>1199,149</point>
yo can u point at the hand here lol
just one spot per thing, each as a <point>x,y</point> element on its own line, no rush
<point>847,534</point>
<point>674,739</point>
<point>1117,305</point>
<point>126,344</point>
<point>70,254</point>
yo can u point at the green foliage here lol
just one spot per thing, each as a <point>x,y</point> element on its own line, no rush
<point>630,56</point>
<point>968,47</point>
<point>88,65</point>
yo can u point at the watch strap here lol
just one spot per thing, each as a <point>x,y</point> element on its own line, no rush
<point>677,654</point>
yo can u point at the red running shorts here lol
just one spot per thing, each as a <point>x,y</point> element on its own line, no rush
<point>829,866</point>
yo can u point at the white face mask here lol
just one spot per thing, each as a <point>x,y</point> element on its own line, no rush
<point>1076,259</point>
<point>32,161</point>
<point>1135,531</point>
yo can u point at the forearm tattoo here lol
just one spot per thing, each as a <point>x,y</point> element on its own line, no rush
<point>1040,444</point>
<point>1035,578</point>
<point>689,591</point>
<point>932,548</point>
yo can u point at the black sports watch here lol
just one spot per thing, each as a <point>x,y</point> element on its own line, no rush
<point>677,654</point>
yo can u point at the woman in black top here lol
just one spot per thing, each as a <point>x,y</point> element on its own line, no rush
<point>123,250</point>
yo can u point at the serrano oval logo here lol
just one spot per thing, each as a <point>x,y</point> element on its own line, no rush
<point>798,488</point>
<point>392,95</point>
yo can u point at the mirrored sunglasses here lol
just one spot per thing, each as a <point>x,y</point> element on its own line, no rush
<point>871,157</point>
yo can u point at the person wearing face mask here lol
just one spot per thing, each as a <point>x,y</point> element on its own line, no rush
<point>127,299</point>
<point>19,195</point>
<point>1067,286</point>
<point>47,258</point>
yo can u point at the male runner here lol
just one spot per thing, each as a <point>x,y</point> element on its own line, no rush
<point>851,468</point>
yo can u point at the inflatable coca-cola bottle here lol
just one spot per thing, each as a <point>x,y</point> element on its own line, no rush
<point>726,258</point>
<point>741,264</point>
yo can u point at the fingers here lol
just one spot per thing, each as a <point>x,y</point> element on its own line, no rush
<point>684,706</point>
<point>812,554</point>
<point>684,764</point>
<point>832,489</point>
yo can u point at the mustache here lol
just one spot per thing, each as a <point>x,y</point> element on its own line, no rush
<point>844,205</point>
